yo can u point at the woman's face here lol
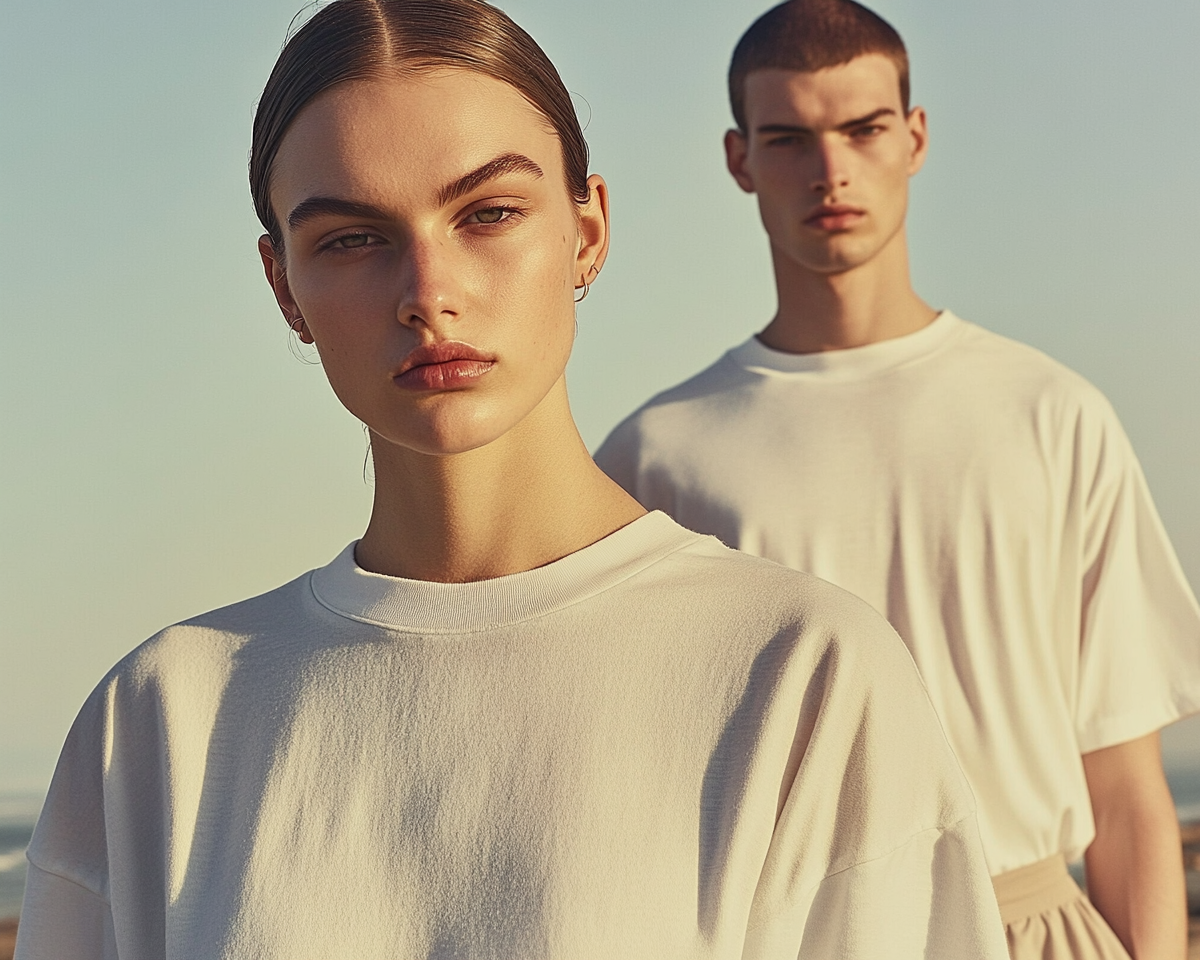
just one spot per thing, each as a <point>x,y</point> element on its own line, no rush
<point>432,249</point>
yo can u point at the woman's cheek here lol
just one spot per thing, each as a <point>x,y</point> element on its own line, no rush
<point>533,287</point>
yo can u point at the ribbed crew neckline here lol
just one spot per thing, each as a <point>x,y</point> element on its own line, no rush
<point>853,363</point>
<point>422,606</point>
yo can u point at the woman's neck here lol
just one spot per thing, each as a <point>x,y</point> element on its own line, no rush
<point>526,499</point>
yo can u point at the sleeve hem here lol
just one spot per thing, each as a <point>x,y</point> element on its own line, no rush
<point>103,898</point>
<point>955,826</point>
<point>1112,731</point>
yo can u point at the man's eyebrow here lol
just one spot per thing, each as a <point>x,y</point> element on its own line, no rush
<point>505,163</point>
<point>873,115</point>
<point>856,122</point>
<point>314,207</point>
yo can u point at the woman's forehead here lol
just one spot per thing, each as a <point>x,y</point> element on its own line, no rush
<point>410,133</point>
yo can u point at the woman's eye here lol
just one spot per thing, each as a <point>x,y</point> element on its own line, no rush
<point>490,215</point>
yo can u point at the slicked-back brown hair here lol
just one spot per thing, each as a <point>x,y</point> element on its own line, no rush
<point>378,39</point>
<point>811,35</point>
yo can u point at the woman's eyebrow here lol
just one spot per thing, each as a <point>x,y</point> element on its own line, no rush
<point>314,207</point>
<point>505,163</point>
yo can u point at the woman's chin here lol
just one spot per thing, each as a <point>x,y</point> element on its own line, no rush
<point>446,439</point>
<point>465,421</point>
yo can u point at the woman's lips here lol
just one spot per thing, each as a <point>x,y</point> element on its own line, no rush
<point>442,366</point>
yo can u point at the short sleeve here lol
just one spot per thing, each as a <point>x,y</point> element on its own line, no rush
<point>930,897</point>
<point>60,918</point>
<point>876,849</point>
<point>1140,625</point>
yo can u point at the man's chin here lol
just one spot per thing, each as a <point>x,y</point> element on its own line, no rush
<point>832,262</point>
<point>829,254</point>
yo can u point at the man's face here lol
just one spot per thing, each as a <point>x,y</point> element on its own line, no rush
<point>829,155</point>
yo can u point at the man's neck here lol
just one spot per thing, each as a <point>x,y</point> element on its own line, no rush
<point>834,311</point>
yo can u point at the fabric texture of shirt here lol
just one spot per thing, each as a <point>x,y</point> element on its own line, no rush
<point>652,748</point>
<point>986,501</point>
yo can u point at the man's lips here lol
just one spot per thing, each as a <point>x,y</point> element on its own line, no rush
<point>442,366</point>
<point>835,217</point>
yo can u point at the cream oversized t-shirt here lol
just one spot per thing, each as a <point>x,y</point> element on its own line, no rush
<point>652,748</point>
<point>987,502</point>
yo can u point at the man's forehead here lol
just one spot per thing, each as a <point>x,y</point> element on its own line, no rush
<point>825,97</point>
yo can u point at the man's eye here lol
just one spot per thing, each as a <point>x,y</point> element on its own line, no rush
<point>868,131</point>
<point>351,240</point>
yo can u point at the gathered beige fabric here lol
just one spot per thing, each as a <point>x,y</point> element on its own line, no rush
<point>1047,917</point>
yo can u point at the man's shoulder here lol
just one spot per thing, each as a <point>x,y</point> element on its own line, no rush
<point>674,414</point>
<point>1021,367</point>
<point>700,391</point>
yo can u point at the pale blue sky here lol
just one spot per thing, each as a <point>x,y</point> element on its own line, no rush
<point>164,453</point>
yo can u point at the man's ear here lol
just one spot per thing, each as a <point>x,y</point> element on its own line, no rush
<point>593,231</point>
<point>918,130</point>
<point>735,159</point>
<point>273,266</point>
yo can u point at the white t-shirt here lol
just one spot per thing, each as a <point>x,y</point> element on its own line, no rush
<point>986,501</point>
<point>653,748</point>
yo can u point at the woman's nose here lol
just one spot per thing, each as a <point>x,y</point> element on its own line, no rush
<point>430,293</point>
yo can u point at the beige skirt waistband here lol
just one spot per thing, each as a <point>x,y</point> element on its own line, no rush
<point>1034,889</point>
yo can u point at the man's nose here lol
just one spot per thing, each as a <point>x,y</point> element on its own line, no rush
<point>832,171</point>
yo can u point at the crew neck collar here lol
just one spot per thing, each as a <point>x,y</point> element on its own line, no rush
<point>422,606</point>
<point>853,362</point>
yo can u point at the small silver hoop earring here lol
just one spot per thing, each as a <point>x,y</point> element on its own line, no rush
<point>592,274</point>
<point>296,344</point>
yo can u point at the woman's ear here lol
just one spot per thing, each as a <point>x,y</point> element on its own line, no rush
<point>273,266</point>
<point>593,231</point>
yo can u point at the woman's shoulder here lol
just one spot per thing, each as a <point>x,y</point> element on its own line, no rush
<point>741,600</point>
<point>775,590</point>
<point>199,646</point>
<point>803,644</point>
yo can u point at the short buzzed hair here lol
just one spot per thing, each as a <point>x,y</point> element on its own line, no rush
<point>811,35</point>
